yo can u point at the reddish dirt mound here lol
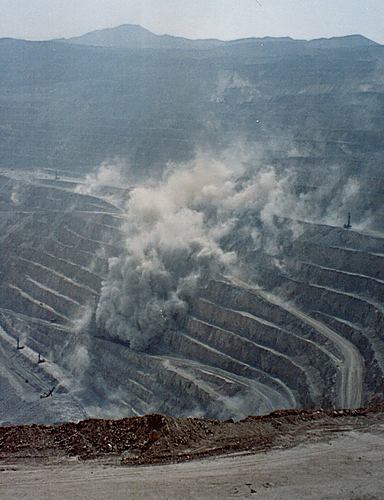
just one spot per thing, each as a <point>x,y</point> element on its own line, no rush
<point>159,439</point>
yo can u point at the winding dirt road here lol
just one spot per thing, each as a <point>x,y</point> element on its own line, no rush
<point>351,365</point>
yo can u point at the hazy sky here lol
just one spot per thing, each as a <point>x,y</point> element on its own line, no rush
<point>226,19</point>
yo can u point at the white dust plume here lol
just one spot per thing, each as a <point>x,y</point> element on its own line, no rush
<point>177,234</point>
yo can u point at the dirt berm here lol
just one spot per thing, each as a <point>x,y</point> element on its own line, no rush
<point>154,439</point>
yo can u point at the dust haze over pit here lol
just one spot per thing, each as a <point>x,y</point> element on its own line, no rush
<point>115,102</point>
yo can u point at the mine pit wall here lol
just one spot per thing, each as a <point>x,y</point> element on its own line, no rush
<point>366,287</point>
<point>73,271</point>
<point>93,230</point>
<point>337,304</point>
<point>11,298</point>
<point>59,303</point>
<point>339,237</point>
<point>50,340</point>
<point>52,198</point>
<point>270,335</point>
<point>57,258</point>
<point>48,378</point>
<point>186,346</point>
<point>312,272</point>
<point>70,238</point>
<point>93,262</point>
<point>78,245</point>
<point>277,366</point>
<point>50,296</point>
<point>187,397</point>
<point>58,344</point>
<point>11,221</point>
<point>317,366</point>
<point>64,184</point>
<point>242,299</point>
<point>163,389</point>
<point>65,287</point>
<point>349,260</point>
<point>29,230</point>
<point>314,361</point>
<point>229,388</point>
<point>367,318</point>
<point>107,219</point>
<point>373,374</point>
<point>308,292</point>
<point>183,345</point>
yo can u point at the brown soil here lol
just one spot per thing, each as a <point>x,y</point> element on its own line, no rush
<point>155,439</point>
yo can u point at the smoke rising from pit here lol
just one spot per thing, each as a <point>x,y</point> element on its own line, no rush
<point>177,233</point>
<point>172,243</point>
<point>106,175</point>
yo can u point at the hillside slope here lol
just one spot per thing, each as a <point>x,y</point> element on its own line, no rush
<point>66,105</point>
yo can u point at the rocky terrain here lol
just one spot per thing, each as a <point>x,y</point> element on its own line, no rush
<point>155,439</point>
<point>287,454</point>
<point>309,334</point>
<point>307,105</point>
<point>298,326</point>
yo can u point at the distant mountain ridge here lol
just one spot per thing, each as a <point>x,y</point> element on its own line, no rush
<point>66,103</point>
<point>135,36</point>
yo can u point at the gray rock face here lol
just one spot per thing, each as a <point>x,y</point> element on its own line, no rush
<point>316,340</point>
<point>304,103</point>
<point>305,326</point>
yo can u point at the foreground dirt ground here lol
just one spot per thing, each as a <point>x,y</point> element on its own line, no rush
<point>349,466</point>
<point>284,455</point>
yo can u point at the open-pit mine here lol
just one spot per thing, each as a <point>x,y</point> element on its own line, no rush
<point>190,228</point>
<point>304,333</point>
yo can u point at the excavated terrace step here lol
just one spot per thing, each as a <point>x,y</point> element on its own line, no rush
<point>50,339</point>
<point>120,378</point>
<point>71,238</point>
<point>275,363</point>
<point>25,381</point>
<point>49,197</point>
<point>367,343</point>
<point>222,382</point>
<point>350,381</point>
<point>19,300</point>
<point>61,303</point>
<point>93,230</point>
<point>167,388</point>
<point>240,298</point>
<point>274,389</point>
<point>370,289</point>
<point>347,306</point>
<point>93,262</point>
<point>343,259</point>
<point>79,275</point>
<point>315,360</point>
<point>239,396</point>
<point>80,294</point>
<point>343,238</point>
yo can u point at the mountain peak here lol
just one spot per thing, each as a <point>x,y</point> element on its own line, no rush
<point>125,35</point>
<point>134,36</point>
<point>347,41</point>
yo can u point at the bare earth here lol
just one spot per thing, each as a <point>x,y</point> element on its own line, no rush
<point>307,456</point>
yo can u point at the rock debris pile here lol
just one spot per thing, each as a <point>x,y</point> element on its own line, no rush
<point>160,439</point>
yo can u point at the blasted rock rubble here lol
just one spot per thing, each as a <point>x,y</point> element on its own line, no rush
<point>157,439</point>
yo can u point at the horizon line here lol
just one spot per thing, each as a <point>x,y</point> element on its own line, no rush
<point>289,37</point>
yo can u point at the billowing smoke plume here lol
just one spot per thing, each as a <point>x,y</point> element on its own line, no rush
<point>78,358</point>
<point>172,232</point>
<point>177,234</point>
<point>106,175</point>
